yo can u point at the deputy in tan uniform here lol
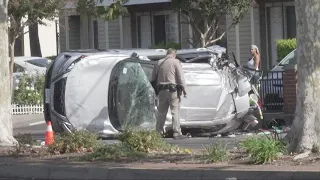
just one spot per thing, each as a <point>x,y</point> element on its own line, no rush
<point>169,77</point>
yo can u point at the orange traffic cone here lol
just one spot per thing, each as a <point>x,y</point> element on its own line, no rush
<point>49,139</point>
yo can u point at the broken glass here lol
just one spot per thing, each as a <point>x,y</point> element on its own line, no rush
<point>133,96</point>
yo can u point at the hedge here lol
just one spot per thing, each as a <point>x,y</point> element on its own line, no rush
<point>284,47</point>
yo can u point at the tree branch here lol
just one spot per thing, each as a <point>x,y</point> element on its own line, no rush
<point>215,30</point>
<point>193,23</point>
<point>210,26</point>
<point>215,40</point>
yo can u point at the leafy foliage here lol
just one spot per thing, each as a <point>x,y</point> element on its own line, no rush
<point>216,153</point>
<point>205,15</point>
<point>284,47</point>
<point>29,90</point>
<point>74,142</point>
<point>111,12</point>
<point>166,46</point>
<point>263,149</point>
<point>34,10</point>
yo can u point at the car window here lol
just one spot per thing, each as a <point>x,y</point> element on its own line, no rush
<point>148,68</point>
<point>39,62</point>
<point>17,68</point>
<point>291,58</point>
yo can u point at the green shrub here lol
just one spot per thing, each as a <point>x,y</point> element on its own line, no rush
<point>29,90</point>
<point>284,47</point>
<point>263,149</point>
<point>74,142</point>
<point>216,153</point>
<point>142,140</point>
<point>162,45</point>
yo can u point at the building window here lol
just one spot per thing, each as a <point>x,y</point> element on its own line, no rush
<point>291,22</point>
<point>95,34</point>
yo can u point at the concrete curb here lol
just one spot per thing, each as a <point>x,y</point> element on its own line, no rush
<point>83,171</point>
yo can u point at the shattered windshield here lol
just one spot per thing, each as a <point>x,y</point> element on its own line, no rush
<point>132,96</point>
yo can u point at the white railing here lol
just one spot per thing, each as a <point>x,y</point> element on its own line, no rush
<point>26,109</point>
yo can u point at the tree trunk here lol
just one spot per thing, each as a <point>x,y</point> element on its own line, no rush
<point>35,47</point>
<point>202,41</point>
<point>305,131</point>
<point>6,133</point>
<point>11,55</point>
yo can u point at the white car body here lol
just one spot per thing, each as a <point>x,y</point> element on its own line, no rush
<point>30,65</point>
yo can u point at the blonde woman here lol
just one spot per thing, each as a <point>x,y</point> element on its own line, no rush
<point>254,62</point>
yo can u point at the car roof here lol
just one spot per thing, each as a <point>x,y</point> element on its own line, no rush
<point>26,58</point>
<point>139,51</point>
<point>144,53</point>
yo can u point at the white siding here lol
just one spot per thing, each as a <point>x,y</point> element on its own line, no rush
<point>245,39</point>
<point>114,34</point>
<point>62,34</point>
<point>231,38</point>
<point>101,34</point>
<point>257,27</point>
<point>84,32</point>
<point>184,32</point>
<point>127,40</point>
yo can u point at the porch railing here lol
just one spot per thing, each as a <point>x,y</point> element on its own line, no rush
<point>271,91</point>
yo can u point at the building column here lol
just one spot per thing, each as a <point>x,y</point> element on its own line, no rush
<point>252,26</point>
<point>66,25</point>
<point>237,43</point>
<point>106,27</point>
<point>121,31</point>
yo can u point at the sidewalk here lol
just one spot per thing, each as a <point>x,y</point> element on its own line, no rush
<point>25,120</point>
<point>63,169</point>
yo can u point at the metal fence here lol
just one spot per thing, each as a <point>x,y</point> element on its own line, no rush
<point>271,91</point>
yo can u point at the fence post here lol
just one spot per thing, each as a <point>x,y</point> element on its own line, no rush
<point>289,92</point>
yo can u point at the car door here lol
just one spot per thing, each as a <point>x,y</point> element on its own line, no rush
<point>204,88</point>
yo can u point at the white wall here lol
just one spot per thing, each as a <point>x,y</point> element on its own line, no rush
<point>47,38</point>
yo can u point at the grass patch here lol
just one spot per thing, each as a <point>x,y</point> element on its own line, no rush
<point>135,145</point>
<point>113,152</point>
<point>74,142</point>
<point>25,139</point>
<point>263,149</point>
<point>216,153</point>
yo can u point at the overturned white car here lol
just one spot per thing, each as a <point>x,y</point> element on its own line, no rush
<point>103,91</point>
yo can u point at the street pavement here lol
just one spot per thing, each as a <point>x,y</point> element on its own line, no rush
<point>35,125</point>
